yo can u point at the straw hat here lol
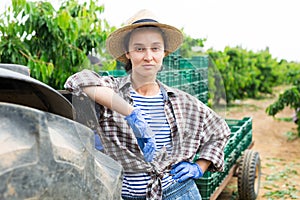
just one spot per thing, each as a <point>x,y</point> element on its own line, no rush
<point>115,41</point>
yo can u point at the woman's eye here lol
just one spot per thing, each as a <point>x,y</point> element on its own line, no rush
<point>144,49</point>
<point>155,49</point>
<point>139,49</point>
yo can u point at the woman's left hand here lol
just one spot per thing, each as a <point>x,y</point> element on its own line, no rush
<point>185,170</point>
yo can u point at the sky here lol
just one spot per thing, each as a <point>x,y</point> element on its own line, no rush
<point>250,24</point>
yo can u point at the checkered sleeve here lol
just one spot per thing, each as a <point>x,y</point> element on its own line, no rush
<point>85,78</point>
<point>214,138</point>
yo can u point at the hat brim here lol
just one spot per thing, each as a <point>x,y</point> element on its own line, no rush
<point>115,41</point>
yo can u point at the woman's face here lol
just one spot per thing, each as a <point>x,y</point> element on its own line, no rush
<point>146,51</point>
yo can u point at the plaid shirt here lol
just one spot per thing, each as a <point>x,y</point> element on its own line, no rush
<point>195,128</point>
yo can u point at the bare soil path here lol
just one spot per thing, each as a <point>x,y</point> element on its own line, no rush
<point>279,153</point>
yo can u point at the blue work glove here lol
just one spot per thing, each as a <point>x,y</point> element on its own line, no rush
<point>143,133</point>
<point>98,144</point>
<point>185,170</point>
<point>148,147</point>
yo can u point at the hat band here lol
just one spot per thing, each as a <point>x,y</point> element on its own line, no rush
<point>144,20</point>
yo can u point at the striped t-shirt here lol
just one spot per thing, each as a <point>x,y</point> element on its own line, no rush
<point>134,184</point>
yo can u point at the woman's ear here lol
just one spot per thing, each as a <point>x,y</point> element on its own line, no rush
<point>165,53</point>
<point>127,55</point>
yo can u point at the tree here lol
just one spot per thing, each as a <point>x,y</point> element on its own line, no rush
<point>289,98</point>
<point>191,46</point>
<point>53,43</point>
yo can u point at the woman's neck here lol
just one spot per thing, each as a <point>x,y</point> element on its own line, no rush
<point>145,86</point>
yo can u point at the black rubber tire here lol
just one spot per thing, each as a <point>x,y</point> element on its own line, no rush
<point>249,173</point>
<point>46,156</point>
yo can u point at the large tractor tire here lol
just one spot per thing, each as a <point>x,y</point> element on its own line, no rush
<point>16,68</point>
<point>249,173</point>
<point>46,156</point>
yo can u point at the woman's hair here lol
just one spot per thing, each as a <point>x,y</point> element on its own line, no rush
<point>128,65</point>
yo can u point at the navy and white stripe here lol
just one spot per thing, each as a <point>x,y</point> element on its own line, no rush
<point>153,112</point>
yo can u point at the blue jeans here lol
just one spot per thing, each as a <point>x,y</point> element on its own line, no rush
<point>181,191</point>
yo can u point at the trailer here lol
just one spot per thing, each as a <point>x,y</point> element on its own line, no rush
<point>240,161</point>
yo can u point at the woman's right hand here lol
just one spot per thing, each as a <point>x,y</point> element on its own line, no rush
<point>143,133</point>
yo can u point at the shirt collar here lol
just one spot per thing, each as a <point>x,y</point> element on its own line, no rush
<point>125,82</point>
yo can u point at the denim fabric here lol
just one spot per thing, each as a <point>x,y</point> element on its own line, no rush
<point>181,191</point>
<point>133,198</point>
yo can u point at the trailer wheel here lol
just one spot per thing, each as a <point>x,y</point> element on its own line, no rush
<point>249,173</point>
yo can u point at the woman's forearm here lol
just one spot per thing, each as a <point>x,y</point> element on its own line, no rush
<point>108,98</point>
<point>204,164</point>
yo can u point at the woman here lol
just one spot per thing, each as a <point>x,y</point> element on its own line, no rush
<point>152,130</point>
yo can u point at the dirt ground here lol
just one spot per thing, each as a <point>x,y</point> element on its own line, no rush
<point>278,149</point>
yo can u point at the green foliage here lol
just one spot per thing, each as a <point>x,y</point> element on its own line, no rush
<point>286,72</point>
<point>289,98</point>
<point>189,44</point>
<point>246,74</point>
<point>54,44</point>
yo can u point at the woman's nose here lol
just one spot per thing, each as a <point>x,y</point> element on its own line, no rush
<point>148,56</point>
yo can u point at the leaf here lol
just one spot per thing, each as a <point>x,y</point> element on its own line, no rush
<point>43,71</point>
<point>63,20</point>
<point>74,31</point>
<point>18,6</point>
<point>50,68</point>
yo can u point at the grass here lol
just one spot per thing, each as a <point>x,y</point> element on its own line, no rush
<point>291,136</point>
<point>281,183</point>
<point>238,106</point>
